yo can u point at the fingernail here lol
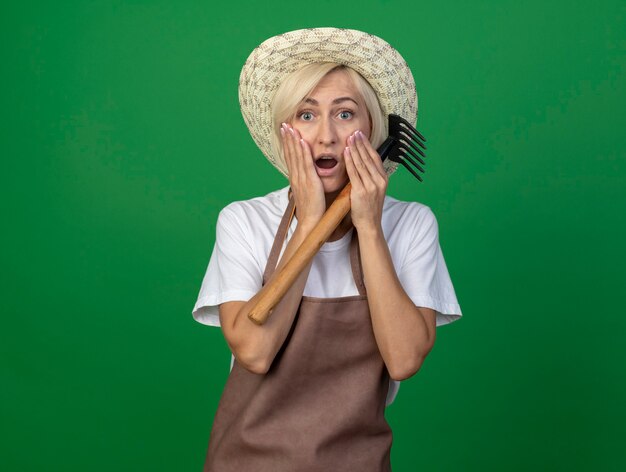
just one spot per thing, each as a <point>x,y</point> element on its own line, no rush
<point>282,132</point>
<point>358,134</point>
<point>351,139</point>
<point>347,151</point>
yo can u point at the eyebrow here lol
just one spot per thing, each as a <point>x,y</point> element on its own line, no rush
<point>336,101</point>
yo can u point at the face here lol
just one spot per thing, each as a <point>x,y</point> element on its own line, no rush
<point>325,120</point>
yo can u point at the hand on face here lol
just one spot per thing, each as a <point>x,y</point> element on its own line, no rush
<point>369,182</point>
<point>307,187</point>
<point>365,171</point>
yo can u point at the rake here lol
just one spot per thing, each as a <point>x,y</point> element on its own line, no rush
<point>405,146</point>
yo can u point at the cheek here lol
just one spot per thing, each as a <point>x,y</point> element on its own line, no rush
<point>361,125</point>
<point>366,127</point>
<point>303,130</point>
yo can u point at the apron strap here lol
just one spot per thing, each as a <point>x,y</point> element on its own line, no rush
<point>279,241</point>
<point>355,262</point>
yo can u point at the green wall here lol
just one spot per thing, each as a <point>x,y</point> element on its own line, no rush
<point>121,140</point>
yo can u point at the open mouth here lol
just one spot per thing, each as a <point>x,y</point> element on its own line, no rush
<point>326,162</point>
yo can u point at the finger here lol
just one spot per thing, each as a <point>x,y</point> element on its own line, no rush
<point>308,161</point>
<point>286,153</point>
<point>298,152</point>
<point>353,173</point>
<point>358,160</point>
<point>371,159</point>
<point>294,150</point>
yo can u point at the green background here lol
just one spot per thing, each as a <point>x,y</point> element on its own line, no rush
<point>121,140</point>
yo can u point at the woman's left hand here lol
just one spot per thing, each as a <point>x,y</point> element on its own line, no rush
<point>369,182</point>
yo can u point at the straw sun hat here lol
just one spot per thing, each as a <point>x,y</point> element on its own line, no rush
<point>274,59</point>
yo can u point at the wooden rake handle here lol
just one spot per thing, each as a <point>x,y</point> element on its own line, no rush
<point>271,294</point>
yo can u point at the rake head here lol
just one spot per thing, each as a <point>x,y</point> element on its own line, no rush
<point>405,145</point>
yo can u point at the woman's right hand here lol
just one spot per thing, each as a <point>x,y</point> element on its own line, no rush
<point>306,185</point>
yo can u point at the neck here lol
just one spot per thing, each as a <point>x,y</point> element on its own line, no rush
<point>345,224</point>
<point>330,197</point>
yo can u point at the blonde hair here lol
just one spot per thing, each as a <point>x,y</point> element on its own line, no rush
<point>297,85</point>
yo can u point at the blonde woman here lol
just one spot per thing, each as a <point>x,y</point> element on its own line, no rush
<point>308,389</point>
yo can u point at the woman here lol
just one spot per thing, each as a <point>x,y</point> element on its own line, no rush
<point>307,390</point>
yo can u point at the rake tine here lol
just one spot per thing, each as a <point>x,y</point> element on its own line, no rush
<point>407,156</point>
<point>415,149</point>
<point>414,144</point>
<point>413,131</point>
<point>414,155</point>
<point>410,151</point>
<point>401,161</point>
<point>412,141</point>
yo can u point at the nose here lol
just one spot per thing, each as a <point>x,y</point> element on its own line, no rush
<point>326,132</point>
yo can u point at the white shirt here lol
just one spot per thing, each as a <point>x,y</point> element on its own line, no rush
<point>245,233</point>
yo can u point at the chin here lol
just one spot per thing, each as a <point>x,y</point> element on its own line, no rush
<point>333,185</point>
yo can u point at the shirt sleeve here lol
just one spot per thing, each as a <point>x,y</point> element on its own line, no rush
<point>423,274</point>
<point>233,273</point>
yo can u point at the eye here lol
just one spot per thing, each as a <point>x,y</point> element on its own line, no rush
<point>345,115</point>
<point>306,116</point>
